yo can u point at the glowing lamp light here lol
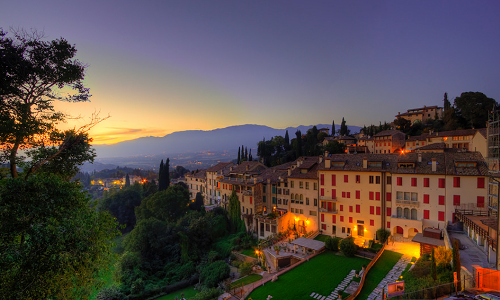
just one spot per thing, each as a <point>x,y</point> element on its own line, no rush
<point>355,228</point>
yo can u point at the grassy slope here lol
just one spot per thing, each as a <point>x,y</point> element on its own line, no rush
<point>188,293</point>
<point>249,252</point>
<point>383,265</point>
<point>246,280</point>
<point>321,275</point>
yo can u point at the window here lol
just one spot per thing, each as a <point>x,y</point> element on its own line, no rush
<point>480,201</point>
<point>268,227</point>
<point>399,212</point>
<point>377,196</point>
<point>322,179</point>
<point>274,200</point>
<point>264,199</point>
<point>480,183</point>
<point>456,182</point>
<point>389,180</point>
<point>315,202</point>
<point>322,192</point>
<point>372,222</point>
<point>341,207</point>
<point>399,195</point>
<point>350,219</point>
<point>334,180</point>
<point>334,219</point>
<point>388,224</point>
<point>323,226</point>
<point>292,209</point>
<point>456,200</point>
<point>358,179</point>
<point>406,213</point>
<point>313,213</point>
<point>315,186</point>
<point>358,194</point>
<point>343,194</point>
<point>399,181</point>
<point>389,211</point>
<point>378,210</point>
<point>273,228</point>
<point>292,184</point>
<point>375,164</point>
<point>372,210</point>
<point>307,185</point>
<point>426,198</point>
<point>343,229</point>
<point>350,208</point>
<point>413,181</point>
<point>348,195</point>
<point>322,218</point>
<point>370,196</point>
<point>301,185</point>
<point>251,200</point>
<point>413,213</point>
<point>358,208</point>
<point>441,183</point>
<point>341,218</point>
<point>441,200</point>
<point>388,197</point>
<point>441,216</point>
<point>307,201</point>
<point>426,182</point>
<point>346,178</point>
<point>370,179</point>
<point>377,179</point>
<point>334,193</point>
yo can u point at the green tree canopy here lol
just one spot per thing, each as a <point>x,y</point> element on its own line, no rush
<point>473,108</point>
<point>168,205</point>
<point>122,206</point>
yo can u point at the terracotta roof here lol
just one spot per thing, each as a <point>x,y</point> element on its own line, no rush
<point>198,174</point>
<point>219,166</point>
<point>417,137</point>
<point>273,174</point>
<point>312,173</point>
<point>491,222</point>
<point>483,131</point>
<point>390,132</point>
<point>460,132</point>
<point>433,146</point>
<point>248,167</point>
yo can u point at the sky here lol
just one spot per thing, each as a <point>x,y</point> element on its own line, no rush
<point>157,67</point>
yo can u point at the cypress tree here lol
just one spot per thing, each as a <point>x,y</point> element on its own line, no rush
<point>127,181</point>
<point>433,265</point>
<point>250,158</point>
<point>167,173</point>
<point>246,153</point>
<point>238,161</point>
<point>298,136</point>
<point>333,127</point>
<point>456,263</point>
<point>161,174</point>
<point>287,139</point>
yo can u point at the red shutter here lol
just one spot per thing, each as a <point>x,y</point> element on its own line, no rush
<point>441,216</point>
<point>334,193</point>
<point>334,180</point>
<point>370,196</point>
<point>322,179</point>
<point>426,198</point>
<point>322,192</point>
<point>389,211</point>
<point>389,197</point>
<point>480,201</point>
<point>400,181</point>
<point>343,194</point>
<point>322,218</point>
<point>441,183</point>
<point>350,219</point>
<point>250,199</point>
<point>426,214</point>
<point>341,207</point>
<point>372,210</point>
<point>378,210</point>
<point>350,208</point>
<point>372,222</point>
<point>388,224</point>
<point>358,208</point>
<point>346,178</point>
<point>441,200</point>
<point>480,183</point>
<point>456,182</point>
<point>414,181</point>
<point>348,194</point>
<point>341,218</point>
<point>456,200</point>
<point>358,194</point>
<point>334,219</point>
<point>377,196</point>
<point>426,182</point>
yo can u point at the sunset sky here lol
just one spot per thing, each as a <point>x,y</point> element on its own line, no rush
<point>162,66</point>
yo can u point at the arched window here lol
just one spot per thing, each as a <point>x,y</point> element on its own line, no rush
<point>291,197</point>
<point>407,213</point>
<point>399,212</point>
<point>413,213</point>
<point>301,197</point>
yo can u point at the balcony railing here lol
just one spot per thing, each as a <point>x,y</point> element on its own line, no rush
<point>408,202</point>
<point>404,218</point>
<point>327,198</point>
<point>328,211</point>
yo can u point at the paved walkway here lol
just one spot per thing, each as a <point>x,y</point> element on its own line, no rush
<point>473,254</point>
<point>392,276</point>
<point>342,286</point>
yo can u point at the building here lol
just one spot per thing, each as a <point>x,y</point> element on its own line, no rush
<point>388,141</point>
<point>213,177</point>
<point>422,114</point>
<point>195,181</point>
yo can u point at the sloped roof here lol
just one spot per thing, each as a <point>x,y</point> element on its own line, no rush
<point>390,132</point>
<point>219,166</point>
<point>309,243</point>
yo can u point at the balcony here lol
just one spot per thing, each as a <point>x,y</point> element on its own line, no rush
<point>408,202</point>
<point>247,193</point>
<point>327,198</point>
<point>328,211</point>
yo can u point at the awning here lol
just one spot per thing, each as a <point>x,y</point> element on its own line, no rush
<point>282,209</point>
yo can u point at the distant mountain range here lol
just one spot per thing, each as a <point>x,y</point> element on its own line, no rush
<point>221,139</point>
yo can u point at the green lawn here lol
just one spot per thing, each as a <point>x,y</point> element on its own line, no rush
<point>188,293</point>
<point>378,271</point>
<point>249,252</point>
<point>246,280</point>
<point>321,275</point>
<point>322,238</point>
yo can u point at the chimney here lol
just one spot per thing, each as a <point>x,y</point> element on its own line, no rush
<point>320,159</point>
<point>326,154</point>
<point>289,172</point>
<point>269,181</point>
<point>419,157</point>
<point>255,180</point>
<point>434,163</point>
<point>365,163</point>
<point>327,163</point>
<point>274,170</point>
<point>230,168</point>
<point>247,167</point>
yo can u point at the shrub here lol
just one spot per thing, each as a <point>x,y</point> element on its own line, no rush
<point>443,256</point>
<point>383,235</point>
<point>348,247</point>
<point>213,256</point>
<point>110,293</point>
<point>332,244</point>
<point>207,294</point>
<point>245,268</point>
<point>214,273</point>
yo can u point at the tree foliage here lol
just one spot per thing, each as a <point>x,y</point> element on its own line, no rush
<point>52,241</point>
<point>122,206</point>
<point>383,235</point>
<point>334,147</point>
<point>33,73</point>
<point>168,205</point>
<point>214,273</point>
<point>473,109</point>
<point>348,247</point>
